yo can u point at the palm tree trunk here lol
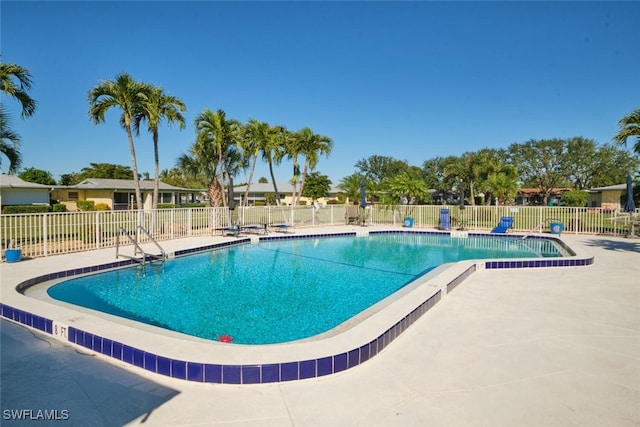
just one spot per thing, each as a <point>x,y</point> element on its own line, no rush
<point>156,178</point>
<point>275,186</point>
<point>134,167</point>
<point>215,193</point>
<point>304,179</point>
<point>245,201</point>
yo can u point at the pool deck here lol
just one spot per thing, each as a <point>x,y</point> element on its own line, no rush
<point>527,347</point>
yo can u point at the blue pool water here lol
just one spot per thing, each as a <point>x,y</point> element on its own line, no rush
<point>281,290</point>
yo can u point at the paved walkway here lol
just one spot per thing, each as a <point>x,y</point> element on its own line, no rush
<point>533,347</point>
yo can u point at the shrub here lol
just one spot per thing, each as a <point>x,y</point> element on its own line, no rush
<point>59,207</point>
<point>18,209</point>
<point>575,198</point>
<point>102,207</point>
<point>86,205</point>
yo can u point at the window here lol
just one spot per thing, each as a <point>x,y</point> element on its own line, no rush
<point>164,198</point>
<point>73,195</point>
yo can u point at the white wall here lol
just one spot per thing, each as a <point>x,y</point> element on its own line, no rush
<point>23,196</point>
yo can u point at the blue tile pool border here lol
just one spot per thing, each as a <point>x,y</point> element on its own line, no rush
<point>255,373</point>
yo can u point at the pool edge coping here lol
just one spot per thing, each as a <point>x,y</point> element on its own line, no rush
<point>346,355</point>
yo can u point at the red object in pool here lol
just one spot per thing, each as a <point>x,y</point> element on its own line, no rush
<point>225,338</point>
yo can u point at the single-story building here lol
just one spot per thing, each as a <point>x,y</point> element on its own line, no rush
<point>120,194</point>
<point>607,197</point>
<point>533,196</point>
<point>14,191</point>
<point>258,193</point>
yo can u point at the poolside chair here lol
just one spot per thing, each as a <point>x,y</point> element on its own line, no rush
<point>352,214</point>
<point>282,228</point>
<point>233,230</point>
<point>506,222</point>
<point>445,220</point>
<point>255,228</point>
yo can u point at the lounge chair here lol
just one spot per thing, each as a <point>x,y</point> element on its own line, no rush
<point>506,222</point>
<point>233,230</point>
<point>445,219</point>
<point>255,228</point>
<point>282,228</point>
<point>352,214</point>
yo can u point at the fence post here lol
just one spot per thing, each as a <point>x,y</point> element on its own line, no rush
<point>98,231</point>
<point>45,235</point>
<point>189,225</point>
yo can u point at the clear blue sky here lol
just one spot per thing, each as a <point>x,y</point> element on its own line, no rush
<point>411,80</point>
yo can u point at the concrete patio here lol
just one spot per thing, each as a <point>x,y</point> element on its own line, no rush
<point>516,347</point>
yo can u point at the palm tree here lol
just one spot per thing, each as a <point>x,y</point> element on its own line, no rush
<point>127,95</point>
<point>202,161</point>
<point>629,127</point>
<point>311,146</point>
<point>350,185</point>
<point>155,107</point>
<point>9,72</point>
<point>9,142</point>
<point>273,152</point>
<point>221,136</point>
<point>255,138</point>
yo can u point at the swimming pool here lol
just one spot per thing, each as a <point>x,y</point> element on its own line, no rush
<point>281,290</point>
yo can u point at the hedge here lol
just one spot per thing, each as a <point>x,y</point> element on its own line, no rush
<point>18,209</point>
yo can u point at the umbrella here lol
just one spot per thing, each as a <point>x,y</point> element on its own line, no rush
<point>630,206</point>
<point>363,195</point>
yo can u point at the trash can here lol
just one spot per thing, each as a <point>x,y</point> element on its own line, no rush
<point>556,228</point>
<point>13,255</point>
<point>408,222</point>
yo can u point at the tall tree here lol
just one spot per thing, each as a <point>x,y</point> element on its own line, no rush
<point>629,127</point>
<point>380,168</point>
<point>202,161</point>
<point>317,186</point>
<point>539,163</point>
<point>9,143</point>
<point>9,74</point>
<point>311,146</point>
<point>408,188</point>
<point>581,161</point>
<point>15,82</point>
<point>126,94</point>
<point>155,107</point>
<point>255,137</point>
<point>38,176</point>
<point>220,135</point>
<point>350,185</point>
<point>503,184</point>
<point>273,152</point>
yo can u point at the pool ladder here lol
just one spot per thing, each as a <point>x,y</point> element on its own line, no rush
<point>538,227</point>
<point>144,256</point>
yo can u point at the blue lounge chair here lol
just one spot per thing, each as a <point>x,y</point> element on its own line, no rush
<point>255,229</point>
<point>282,228</point>
<point>506,222</point>
<point>233,230</point>
<point>445,220</point>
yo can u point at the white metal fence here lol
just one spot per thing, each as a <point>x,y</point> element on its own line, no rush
<point>47,234</point>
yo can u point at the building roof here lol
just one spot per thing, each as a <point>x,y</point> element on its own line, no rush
<point>535,191</point>
<point>282,188</point>
<point>123,184</point>
<point>12,181</point>
<point>609,188</point>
